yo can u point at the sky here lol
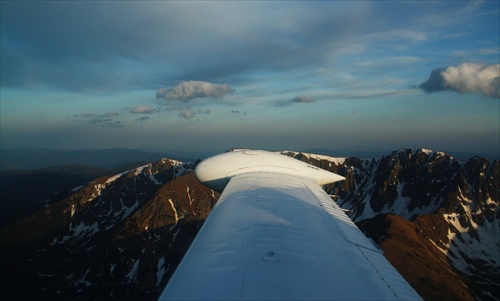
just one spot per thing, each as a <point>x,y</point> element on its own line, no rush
<point>276,75</point>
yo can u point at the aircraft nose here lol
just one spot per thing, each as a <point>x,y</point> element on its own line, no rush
<point>202,171</point>
<point>212,174</point>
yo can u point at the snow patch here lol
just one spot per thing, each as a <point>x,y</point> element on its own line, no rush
<point>83,281</point>
<point>98,190</point>
<point>160,271</point>
<point>132,274</point>
<point>77,188</point>
<point>113,178</point>
<point>175,211</point>
<point>139,170</point>
<point>175,234</point>
<point>424,150</point>
<point>400,206</point>
<point>73,210</point>
<point>336,160</point>
<point>81,228</point>
<point>189,196</point>
<point>478,242</point>
<point>154,180</point>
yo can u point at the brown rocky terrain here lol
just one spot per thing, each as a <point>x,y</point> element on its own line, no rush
<point>406,245</point>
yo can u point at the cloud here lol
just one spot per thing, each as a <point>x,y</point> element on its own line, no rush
<point>112,114</point>
<point>143,110</point>
<point>188,113</point>
<point>112,124</point>
<point>143,119</point>
<point>435,83</point>
<point>189,90</point>
<point>104,120</point>
<point>302,99</point>
<point>88,115</point>
<point>85,115</point>
<point>392,62</point>
<point>301,37</point>
<point>465,78</point>
<point>475,52</point>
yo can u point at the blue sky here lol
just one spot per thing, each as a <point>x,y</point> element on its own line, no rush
<point>189,75</point>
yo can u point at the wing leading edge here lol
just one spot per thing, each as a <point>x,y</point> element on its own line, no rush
<point>278,236</point>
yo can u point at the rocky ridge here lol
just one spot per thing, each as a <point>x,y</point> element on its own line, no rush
<point>452,205</point>
<point>121,236</point>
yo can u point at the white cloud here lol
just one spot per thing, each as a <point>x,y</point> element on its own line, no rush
<point>143,110</point>
<point>474,78</point>
<point>189,90</point>
<point>465,78</point>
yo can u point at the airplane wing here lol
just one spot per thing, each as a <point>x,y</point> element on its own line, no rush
<point>276,235</point>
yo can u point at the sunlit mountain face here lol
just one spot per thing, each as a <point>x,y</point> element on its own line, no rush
<point>121,236</point>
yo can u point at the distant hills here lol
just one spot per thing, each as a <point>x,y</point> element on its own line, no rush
<point>40,158</point>
<point>37,158</point>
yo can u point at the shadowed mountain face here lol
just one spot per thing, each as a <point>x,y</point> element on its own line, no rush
<point>121,237</point>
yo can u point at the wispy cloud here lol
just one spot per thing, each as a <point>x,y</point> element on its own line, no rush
<point>302,99</point>
<point>143,119</point>
<point>392,62</point>
<point>190,90</point>
<point>186,114</point>
<point>189,113</point>
<point>104,120</point>
<point>143,110</point>
<point>476,52</point>
<point>88,115</point>
<point>84,115</point>
<point>465,78</point>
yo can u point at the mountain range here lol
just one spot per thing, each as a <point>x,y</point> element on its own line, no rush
<point>120,236</point>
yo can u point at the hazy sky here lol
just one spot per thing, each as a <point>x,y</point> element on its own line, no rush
<point>185,75</point>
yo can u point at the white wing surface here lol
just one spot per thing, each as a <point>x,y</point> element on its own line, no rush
<point>277,236</point>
